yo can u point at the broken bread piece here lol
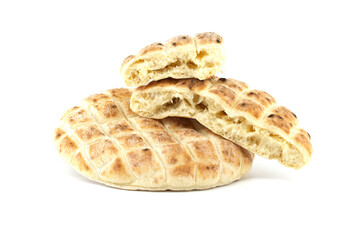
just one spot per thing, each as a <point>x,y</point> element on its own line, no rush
<point>106,142</point>
<point>200,57</point>
<point>228,107</point>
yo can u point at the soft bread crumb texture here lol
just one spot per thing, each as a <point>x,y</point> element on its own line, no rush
<point>104,140</point>
<point>201,57</point>
<point>250,118</point>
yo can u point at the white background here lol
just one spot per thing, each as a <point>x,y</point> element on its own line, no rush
<point>304,53</point>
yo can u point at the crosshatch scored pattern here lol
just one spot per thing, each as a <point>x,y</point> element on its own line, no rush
<point>107,142</point>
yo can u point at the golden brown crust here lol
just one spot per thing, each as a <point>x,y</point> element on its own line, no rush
<point>162,83</point>
<point>59,133</point>
<point>116,171</point>
<point>208,170</point>
<point>118,127</point>
<point>174,123</point>
<point>107,142</point>
<point>180,164</point>
<point>125,106</point>
<point>120,94</point>
<point>186,134</point>
<point>97,97</point>
<point>88,133</point>
<point>200,38</point>
<point>208,37</point>
<point>106,110</point>
<point>250,107</point>
<point>279,122</point>
<point>131,141</point>
<point>191,84</point>
<point>160,138</point>
<point>179,40</point>
<point>231,153</point>
<point>127,59</point>
<point>102,152</point>
<point>142,161</point>
<point>183,171</point>
<point>152,47</point>
<point>203,150</point>
<point>81,163</point>
<point>224,94</point>
<point>237,86</point>
<point>76,117</point>
<point>261,97</point>
<point>148,124</point>
<point>286,114</point>
<point>304,140</point>
<point>237,103</point>
<point>67,146</point>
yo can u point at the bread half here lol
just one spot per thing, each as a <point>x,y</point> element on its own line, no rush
<point>200,57</point>
<point>107,142</point>
<point>228,107</point>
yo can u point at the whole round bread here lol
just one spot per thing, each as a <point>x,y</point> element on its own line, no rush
<point>107,142</point>
<point>201,57</point>
<point>250,118</point>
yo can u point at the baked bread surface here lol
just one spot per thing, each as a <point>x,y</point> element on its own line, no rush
<point>183,56</point>
<point>250,118</point>
<point>107,142</point>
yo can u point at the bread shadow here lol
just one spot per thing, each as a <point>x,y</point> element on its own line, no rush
<point>273,172</point>
<point>74,174</point>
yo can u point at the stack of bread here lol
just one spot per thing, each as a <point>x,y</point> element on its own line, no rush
<point>182,128</point>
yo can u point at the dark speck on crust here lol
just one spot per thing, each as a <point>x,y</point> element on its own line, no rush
<point>174,43</point>
<point>184,37</point>
<point>222,79</point>
<point>146,149</point>
<point>160,44</point>
<point>243,104</point>
<point>294,114</point>
<point>218,40</point>
<point>273,115</point>
<point>191,84</point>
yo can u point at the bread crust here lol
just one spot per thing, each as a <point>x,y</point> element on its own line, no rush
<point>107,142</point>
<point>182,56</point>
<point>250,118</point>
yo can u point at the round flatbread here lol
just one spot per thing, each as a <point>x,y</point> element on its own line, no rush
<point>107,142</point>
